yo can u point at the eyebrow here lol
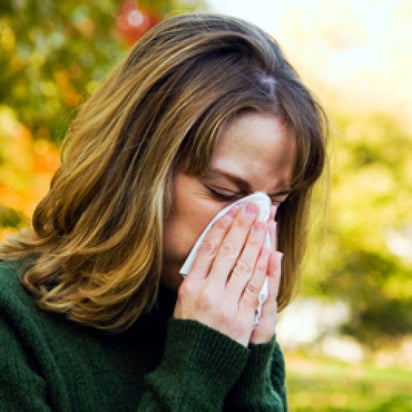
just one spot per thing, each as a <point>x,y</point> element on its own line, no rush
<point>241,183</point>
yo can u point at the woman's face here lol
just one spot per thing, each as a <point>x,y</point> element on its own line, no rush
<point>255,153</point>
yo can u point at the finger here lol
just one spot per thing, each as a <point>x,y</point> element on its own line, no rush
<point>272,231</point>
<point>207,250</point>
<point>269,311</point>
<point>251,292</point>
<point>265,329</point>
<point>233,244</point>
<point>273,211</point>
<point>246,265</point>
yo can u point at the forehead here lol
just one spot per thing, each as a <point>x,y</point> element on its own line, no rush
<point>257,148</point>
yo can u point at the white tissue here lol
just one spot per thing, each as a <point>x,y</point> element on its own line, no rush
<point>264,203</point>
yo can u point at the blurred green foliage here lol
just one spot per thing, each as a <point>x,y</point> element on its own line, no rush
<point>9,217</point>
<point>366,254</point>
<point>54,53</point>
<point>324,385</point>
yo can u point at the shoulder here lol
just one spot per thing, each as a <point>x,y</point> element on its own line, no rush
<point>11,269</point>
<point>22,322</point>
<point>13,296</point>
<point>10,274</point>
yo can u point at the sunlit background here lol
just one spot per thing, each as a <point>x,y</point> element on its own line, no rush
<point>348,335</point>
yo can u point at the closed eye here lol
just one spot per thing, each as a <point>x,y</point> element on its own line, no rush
<point>224,195</point>
<point>227,195</point>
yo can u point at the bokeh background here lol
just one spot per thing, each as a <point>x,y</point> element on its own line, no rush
<point>348,334</point>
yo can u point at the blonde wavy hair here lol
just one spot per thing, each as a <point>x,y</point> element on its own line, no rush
<point>95,249</point>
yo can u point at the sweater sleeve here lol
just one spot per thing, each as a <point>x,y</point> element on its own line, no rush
<point>198,369</point>
<point>261,387</point>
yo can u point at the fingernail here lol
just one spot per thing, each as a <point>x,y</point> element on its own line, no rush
<point>233,210</point>
<point>251,209</point>
<point>258,226</point>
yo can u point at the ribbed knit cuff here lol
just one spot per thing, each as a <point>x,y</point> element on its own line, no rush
<point>199,364</point>
<point>260,386</point>
<point>257,370</point>
<point>218,359</point>
<point>278,375</point>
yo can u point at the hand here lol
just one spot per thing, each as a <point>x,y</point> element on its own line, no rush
<point>227,274</point>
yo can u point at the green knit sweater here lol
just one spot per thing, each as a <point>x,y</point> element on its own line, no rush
<point>48,363</point>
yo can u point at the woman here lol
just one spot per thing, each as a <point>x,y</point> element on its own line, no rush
<point>94,313</point>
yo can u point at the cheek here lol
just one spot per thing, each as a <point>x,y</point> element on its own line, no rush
<point>193,208</point>
<point>185,225</point>
<point>179,229</point>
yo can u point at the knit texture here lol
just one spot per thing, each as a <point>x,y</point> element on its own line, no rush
<point>48,363</point>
